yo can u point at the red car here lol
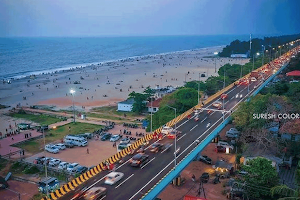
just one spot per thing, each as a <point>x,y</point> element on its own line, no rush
<point>171,135</point>
<point>224,96</point>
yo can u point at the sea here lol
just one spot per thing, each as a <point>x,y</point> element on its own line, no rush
<point>24,56</point>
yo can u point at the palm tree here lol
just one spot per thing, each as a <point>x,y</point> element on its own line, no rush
<point>286,192</point>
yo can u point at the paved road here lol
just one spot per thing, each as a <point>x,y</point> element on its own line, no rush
<point>137,181</point>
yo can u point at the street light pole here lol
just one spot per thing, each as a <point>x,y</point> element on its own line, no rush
<point>198,88</point>
<point>175,145</point>
<point>215,53</point>
<point>72,92</point>
<point>151,116</point>
<point>45,163</point>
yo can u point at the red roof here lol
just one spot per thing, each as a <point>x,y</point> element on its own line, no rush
<point>188,197</point>
<point>293,73</point>
<point>155,103</point>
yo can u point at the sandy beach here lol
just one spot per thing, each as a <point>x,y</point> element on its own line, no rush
<point>111,82</point>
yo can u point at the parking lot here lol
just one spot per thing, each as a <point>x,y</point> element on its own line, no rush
<point>95,152</point>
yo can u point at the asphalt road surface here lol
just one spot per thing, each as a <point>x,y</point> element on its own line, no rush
<point>138,180</point>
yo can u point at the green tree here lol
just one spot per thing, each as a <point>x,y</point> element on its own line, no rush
<point>261,175</point>
<point>138,105</point>
<point>285,193</point>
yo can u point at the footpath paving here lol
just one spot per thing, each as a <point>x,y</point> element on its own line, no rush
<point>5,143</point>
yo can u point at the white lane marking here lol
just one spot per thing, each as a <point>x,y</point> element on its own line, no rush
<point>181,137</point>
<point>151,180</point>
<point>182,123</point>
<point>103,197</point>
<point>204,119</point>
<point>122,164</point>
<point>124,181</point>
<point>194,127</point>
<point>167,149</point>
<point>148,163</point>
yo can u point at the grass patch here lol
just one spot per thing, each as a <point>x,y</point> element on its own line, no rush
<point>57,134</point>
<point>38,196</point>
<point>32,146</point>
<point>104,116</point>
<point>40,118</point>
<point>113,111</point>
<point>3,163</point>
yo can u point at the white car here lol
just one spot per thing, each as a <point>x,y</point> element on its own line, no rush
<point>225,144</point>
<point>54,162</point>
<point>114,138</point>
<point>198,111</point>
<point>166,130</point>
<point>60,146</point>
<point>125,141</point>
<point>113,177</point>
<point>52,149</point>
<point>217,104</point>
<point>253,79</point>
<point>63,165</point>
<point>233,131</point>
<point>72,167</point>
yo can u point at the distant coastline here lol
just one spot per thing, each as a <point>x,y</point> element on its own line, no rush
<point>76,67</point>
<point>22,57</point>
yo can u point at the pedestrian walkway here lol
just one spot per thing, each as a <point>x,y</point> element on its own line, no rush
<point>5,143</point>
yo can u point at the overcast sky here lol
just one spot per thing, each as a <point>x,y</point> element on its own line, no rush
<point>148,17</point>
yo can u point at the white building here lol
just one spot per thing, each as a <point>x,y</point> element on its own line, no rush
<point>239,56</point>
<point>126,105</point>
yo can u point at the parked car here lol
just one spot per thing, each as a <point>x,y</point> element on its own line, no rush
<point>225,144</point>
<point>233,131</point>
<point>220,149</point>
<point>39,160</point>
<point>166,130</point>
<point>205,159</point>
<point>106,136</point>
<point>156,147</point>
<point>63,165</point>
<point>113,177</point>
<point>50,184</point>
<point>139,160</point>
<point>52,149</point>
<point>114,138</point>
<point>204,177</point>
<point>54,162</point>
<point>69,144</point>
<point>81,169</point>
<point>231,135</point>
<point>94,193</point>
<point>60,146</point>
<point>125,141</point>
<point>72,167</point>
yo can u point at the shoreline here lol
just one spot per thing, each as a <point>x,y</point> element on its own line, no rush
<point>86,65</point>
<point>110,82</point>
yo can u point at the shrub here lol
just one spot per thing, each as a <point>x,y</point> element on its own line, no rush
<point>31,170</point>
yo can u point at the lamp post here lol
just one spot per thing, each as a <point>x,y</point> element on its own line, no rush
<point>216,53</point>
<point>198,88</point>
<point>72,92</point>
<point>263,54</point>
<point>279,50</point>
<point>253,60</point>
<point>223,88</point>
<point>151,116</point>
<point>175,145</point>
<point>45,163</point>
